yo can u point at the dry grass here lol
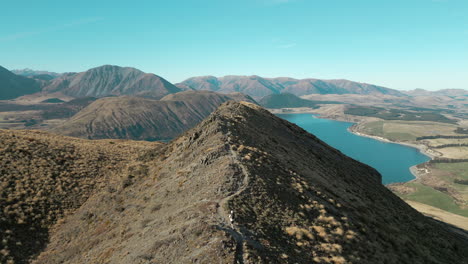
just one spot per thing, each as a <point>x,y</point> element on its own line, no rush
<point>299,233</point>
<point>301,202</point>
<point>454,152</point>
<point>445,141</point>
<point>45,177</point>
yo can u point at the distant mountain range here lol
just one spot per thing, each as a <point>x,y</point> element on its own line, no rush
<point>145,119</point>
<point>111,80</point>
<point>258,87</point>
<point>32,73</point>
<point>443,92</point>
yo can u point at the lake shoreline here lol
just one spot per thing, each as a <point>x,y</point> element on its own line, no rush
<point>423,149</point>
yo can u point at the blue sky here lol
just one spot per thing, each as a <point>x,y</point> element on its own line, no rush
<point>402,44</point>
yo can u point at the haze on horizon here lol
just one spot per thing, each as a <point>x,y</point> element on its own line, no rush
<point>398,44</point>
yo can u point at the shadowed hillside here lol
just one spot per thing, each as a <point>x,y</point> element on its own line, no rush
<point>12,85</point>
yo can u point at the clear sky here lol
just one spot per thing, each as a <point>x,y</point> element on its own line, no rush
<point>401,44</point>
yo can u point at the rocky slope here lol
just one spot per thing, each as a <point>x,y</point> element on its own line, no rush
<point>140,118</point>
<point>12,85</point>
<point>245,186</point>
<point>258,87</point>
<point>110,80</point>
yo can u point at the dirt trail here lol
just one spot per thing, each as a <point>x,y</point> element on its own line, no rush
<point>227,218</point>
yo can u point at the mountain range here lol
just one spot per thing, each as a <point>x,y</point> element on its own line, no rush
<point>108,81</point>
<point>111,80</point>
<point>258,87</point>
<point>33,73</point>
<point>242,186</point>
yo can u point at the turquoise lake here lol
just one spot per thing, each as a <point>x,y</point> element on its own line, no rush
<point>391,160</point>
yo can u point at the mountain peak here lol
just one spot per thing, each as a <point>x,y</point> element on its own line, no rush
<point>113,67</point>
<point>111,80</point>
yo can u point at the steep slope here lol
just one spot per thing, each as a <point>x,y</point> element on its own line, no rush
<point>45,177</point>
<point>140,118</point>
<point>110,80</point>
<point>12,85</point>
<point>258,87</point>
<point>245,186</point>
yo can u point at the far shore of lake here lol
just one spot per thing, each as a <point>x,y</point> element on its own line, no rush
<point>422,148</point>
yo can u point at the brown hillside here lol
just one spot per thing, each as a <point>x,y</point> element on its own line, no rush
<point>145,119</point>
<point>245,186</point>
<point>45,177</point>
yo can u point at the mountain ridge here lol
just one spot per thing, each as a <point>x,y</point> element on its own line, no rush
<point>257,86</point>
<point>26,72</point>
<point>245,186</point>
